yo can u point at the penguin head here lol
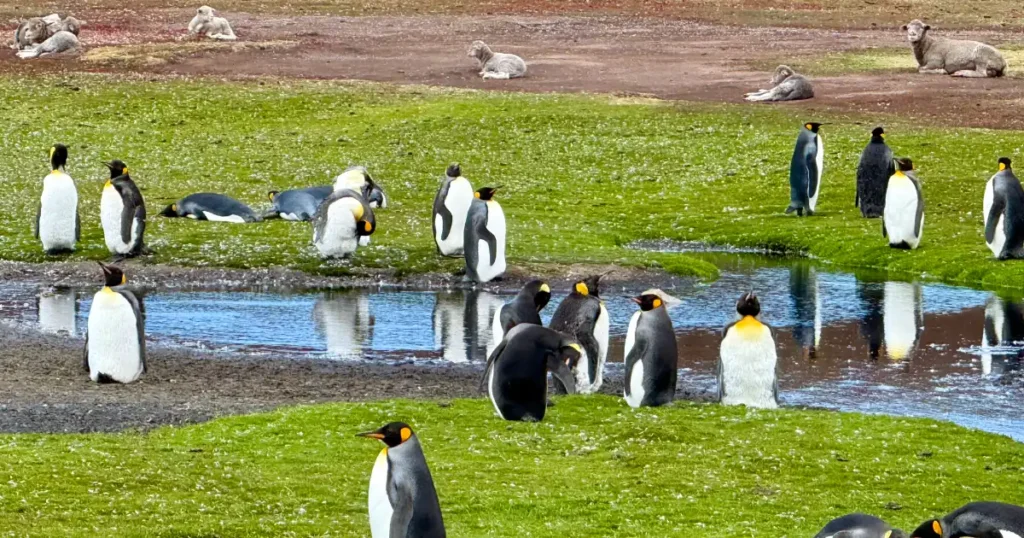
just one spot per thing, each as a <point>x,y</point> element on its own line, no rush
<point>570,353</point>
<point>365,227</point>
<point>112,276</point>
<point>58,156</point>
<point>904,164</point>
<point>170,211</point>
<point>590,285</point>
<point>539,292</point>
<point>486,193</point>
<point>812,126</point>
<point>748,305</point>
<point>648,301</point>
<point>392,434</point>
<point>117,168</point>
<point>929,529</point>
<point>272,194</point>
<point>878,135</point>
<point>454,170</point>
<point>1005,163</point>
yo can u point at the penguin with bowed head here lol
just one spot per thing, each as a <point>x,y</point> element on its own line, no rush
<point>484,237</point>
<point>1004,213</point>
<point>297,204</point>
<point>903,219</point>
<point>650,355</point>
<point>583,316</point>
<point>58,225</point>
<point>805,171</point>
<point>873,173</point>
<point>402,498</point>
<point>517,370</point>
<point>451,206</point>
<point>340,222</point>
<point>976,520</point>
<point>748,361</point>
<point>122,213</point>
<point>212,207</point>
<point>114,353</point>
<point>524,308</point>
<point>358,179</point>
<point>859,526</point>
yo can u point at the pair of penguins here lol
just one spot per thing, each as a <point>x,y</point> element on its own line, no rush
<point>122,210</point>
<point>469,224</point>
<point>973,520</point>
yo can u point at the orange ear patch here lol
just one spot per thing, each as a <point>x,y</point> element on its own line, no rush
<point>406,434</point>
<point>657,303</point>
<point>367,226</point>
<point>937,527</point>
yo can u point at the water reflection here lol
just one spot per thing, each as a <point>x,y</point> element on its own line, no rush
<point>903,318</point>
<point>804,290</point>
<point>462,324</point>
<point>57,310</point>
<point>343,319</point>
<point>1004,329</point>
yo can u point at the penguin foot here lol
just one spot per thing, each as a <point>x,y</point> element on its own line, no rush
<point>460,272</point>
<point>59,251</point>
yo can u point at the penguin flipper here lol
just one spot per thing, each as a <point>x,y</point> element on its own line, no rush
<point>998,204</point>
<point>78,225</point>
<point>39,212</point>
<point>885,232</point>
<point>919,219</point>
<point>492,242</point>
<point>441,209</point>
<point>85,355</point>
<point>491,360</point>
<point>140,322</point>
<point>402,504</point>
<point>812,179</point>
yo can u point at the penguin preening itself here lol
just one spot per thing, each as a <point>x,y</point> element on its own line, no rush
<point>873,172</point>
<point>517,370</point>
<point>122,213</point>
<point>451,205</point>
<point>524,308</point>
<point>340,222</point>
<point>903,219</point>
<point>113,352</point>
<point>805,171</point>
<point>484,237</point>
<point>358,179</point>
<point>1004,213</point>
<point>748,360</point>
<point>297,204</point>
<point>583,316</point>
<point>650,355</point>
<point>58,225</point>
<point>402,498</point>
<point>859,526</point>
<point>212,207</point>
<point>976,520</point>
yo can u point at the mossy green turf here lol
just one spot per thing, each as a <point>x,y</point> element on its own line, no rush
<point>594,467</point>
<point>582,176</point>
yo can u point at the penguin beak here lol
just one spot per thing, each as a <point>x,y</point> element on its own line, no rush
<point>636,300</point>
<point>372,435</point>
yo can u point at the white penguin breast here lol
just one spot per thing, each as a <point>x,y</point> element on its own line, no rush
<point>58,207</point>
<point>111,207</point>
<point>900,213</point>
<point>339,232</point>
<point>114,347</point>
<point>636,373</point>
<point>213,217</point>
<point>748,367</point>
<point>819,158</point>
<point>999,238</point>
<point>379,505</point>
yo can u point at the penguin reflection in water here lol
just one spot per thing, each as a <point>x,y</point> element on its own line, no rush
<point>122,213</point>
<point>976,520</point>
<point>113,352</point>
<point>583,316</point>
<point>1004,213</point>
<point>58,225</point>
<point>805,171</point>
<point>402,498</point>
<point>517,370</point>
<point>748,360</point>
<point>650,355</point>
<point>903,219</point>
<point>859,526</point>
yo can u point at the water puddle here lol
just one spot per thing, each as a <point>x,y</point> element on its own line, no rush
<point>845,342</point>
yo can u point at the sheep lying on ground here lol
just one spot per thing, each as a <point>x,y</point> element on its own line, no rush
<point>207,23</point>
<point>788,85</point>
<point>938,55</point>
<point>38,29</point>
<point>495,64</point>
<point>62,41</point>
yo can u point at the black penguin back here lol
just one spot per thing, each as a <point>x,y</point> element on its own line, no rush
<point>873,173</point>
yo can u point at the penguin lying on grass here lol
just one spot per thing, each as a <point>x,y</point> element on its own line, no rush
<point>122,213</point>
<point>58,225</point>
<point>297,204</point>
<point>859,526</point>
<point>650,355</point>
<point>805,171</point>
<point>517,370</point>
<point>114,352</point>
<point>212,207</point>
<point>1004,213</point>
<point>976,520</point>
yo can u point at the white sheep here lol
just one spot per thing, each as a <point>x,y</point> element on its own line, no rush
<point>960,58</point>
<point>30,32</point>
<point>788,85</point>
<point>496,65</point>
<point>62,41</point>
<point>207,23</point>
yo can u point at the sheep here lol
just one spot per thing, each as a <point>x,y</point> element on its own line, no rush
<point>62,41</point>
<point>788,85</point>
<point>496,65</point>
<point>31,32</point>
<point>938,55</point>
<point>207,23</point>
<point>71,24</point>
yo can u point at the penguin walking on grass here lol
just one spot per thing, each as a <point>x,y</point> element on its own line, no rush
<point>122,213</point>
<point>58,225</point>
<point>805,171</point>
<point>748,360</point>
<point>212,207</point>
<point>583,316</point>
<point>340,222</point>
<point>903,219</point>
<point>114,352</point>
<point>484,237</point>
<point>1004,213</point>
<point>297,204</point>
<point>451,206</point>
<point>402,498</point>
<point>650,355</point>
<point>859,526</point>
<point>517,370</point>
<point>873,173</point>
<point>976,520</point>
<point>525,308</point>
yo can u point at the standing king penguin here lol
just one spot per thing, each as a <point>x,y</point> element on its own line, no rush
<point>517,370</point>
<point>748,360</point>
<point>873,173</point>
<point>903,219</point>
<point>976,520</point>
<point>403,501</point>
<point>525,308</point>
<point>58,224</point>
<point>484,237</point>
<point>122,213</point>
<point>1004,213</point>
<point>859,526</point>
<point>113,352</point>
<point>340,222</point>
<point>583,316</point>
<point>805,171</point>
<point>451,205</point>
<point>650,355</point>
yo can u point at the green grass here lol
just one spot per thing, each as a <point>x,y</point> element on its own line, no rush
<point>876,60</point>
<point>594,467</point>
<point>583,176</point>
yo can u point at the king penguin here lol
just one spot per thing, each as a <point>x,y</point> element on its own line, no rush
<point>583,316</point>
<point>805,171</point>
<point>402,498</point>
<point>113,352</point>
<point>1004,213</point>
<point>358,179</point>
<point>525,308</point>
<point>976,520</point>
<point>122,213</point>
<point>58,226</point>
<point>340,222</point>
<point>451,205</point>
<point>484,237</point>
<point>859,526</point>
<point>297,204</point>
<point>650,355</point>
<point>748,361</point>
<point>903,220</point>
<point>517,370</point>
<point>873,173</point>
<point>212,207</point>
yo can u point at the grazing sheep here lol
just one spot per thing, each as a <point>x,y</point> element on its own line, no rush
<point>938,55</point>
<point>497,65</point>
<point>60,42</point>
<point>207,23</point>
<point>31,32</point>
<point>788,85</point>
